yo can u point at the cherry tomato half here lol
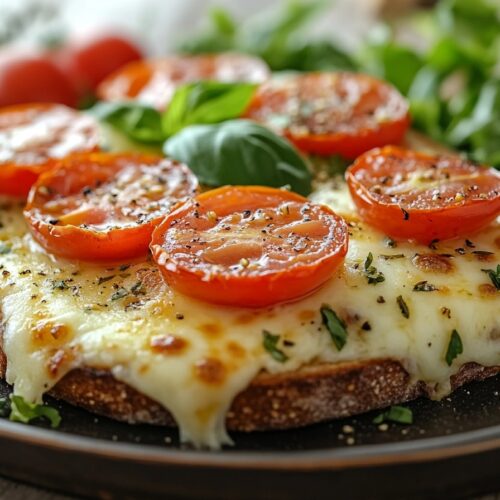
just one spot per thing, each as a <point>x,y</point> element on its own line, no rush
<point>32,136</point>
<point>154,82</point>
<point>104,206</point>
<point>421,197</point>
<point>249,246</point>
<point>332,113</point>
<point>33,77</point>
<point>88,61</point>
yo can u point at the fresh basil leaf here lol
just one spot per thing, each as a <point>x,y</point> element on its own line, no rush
<point>270,343</point>
<point>21,411</point>
<point>206,102</point>
<point>240,152</point>
<point>455,347</point>
<point>137,121</point>
<point>335,326</point>
<point>398,414</point>
<point>494,276</point>
<point>222,21</point>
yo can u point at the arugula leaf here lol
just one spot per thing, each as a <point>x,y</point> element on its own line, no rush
<point>398,414</point>
<point>270,343</point>
<point>24,412</point>
<point>455,347</point>
<point>137,121</point>
<point>206,102</point>
<point>335,326</point>
<point>494,276</point>
<point>240,152</point>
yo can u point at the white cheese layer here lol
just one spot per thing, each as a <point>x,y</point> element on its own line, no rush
<point>194,358</point>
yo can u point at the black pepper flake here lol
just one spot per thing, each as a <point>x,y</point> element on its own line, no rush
<point>380,300</point>
<point>406,215</point>
<point>432,244</point>
<point>366,326</point>
<point>179,316</point>
<point>53,221</point>
<point>403,306</point>
<point>469,244</point>
<point>103,279</point>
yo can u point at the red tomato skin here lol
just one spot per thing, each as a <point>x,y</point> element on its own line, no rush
<point>90,60</point>
<point>349,146</point>
<point>423,225</point>
<point>33,77</point>
<point>256,291</point>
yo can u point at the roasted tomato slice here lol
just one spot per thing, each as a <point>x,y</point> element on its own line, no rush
<point>103,206</point>
<point>32,136</point>
<point>154,82</point>
<point>249,246</point>
<point>332,113</point>
<point>422,197</point>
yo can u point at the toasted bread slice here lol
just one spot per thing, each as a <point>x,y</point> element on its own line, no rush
<point>313,394</point>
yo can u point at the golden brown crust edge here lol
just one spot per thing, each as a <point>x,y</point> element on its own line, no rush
<point>295,399</point>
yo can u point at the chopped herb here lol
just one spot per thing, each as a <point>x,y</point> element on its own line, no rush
<point>398,414</point>
<point>103,279</point>
<point>455,347</point>
<point>482,253</point>
<point>469,244</point>
<point>380,299</point>
<point>270,343</point>
<point>372,275</point>
<point>494,276</point>
<point>137,288</point>
<point>59,285</point>
<point>4,249</point>
<point>390,242</point>
<point>335,326</point>
<point>119,294</point>
<point>403,306</point>
<point>446,311</point>
<point>406,215</point>
<point>424,286</point>
<point>21,411</point>
<point>393,256</point>
<point>124,267</point>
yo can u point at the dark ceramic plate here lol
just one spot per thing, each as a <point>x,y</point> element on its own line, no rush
<point>452,450</point>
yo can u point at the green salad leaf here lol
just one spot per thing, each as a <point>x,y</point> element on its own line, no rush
<point>22,411</point>
<point>137,121</point>
<point>206,102</point>
<point>240,152</point>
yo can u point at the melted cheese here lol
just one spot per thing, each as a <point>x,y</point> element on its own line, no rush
<point>194,358</point>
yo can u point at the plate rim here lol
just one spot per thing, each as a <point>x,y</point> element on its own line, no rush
<point>360,456</point>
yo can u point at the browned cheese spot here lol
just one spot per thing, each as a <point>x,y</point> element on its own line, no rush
<point>58,360</point>
<point>244,319</point>
<point>211,329</point>
<point>235,349</point>
<point>45,333</point>
<point>168,344</point>
<point>433,263</point>
<point>210,370</point>
<point>488,290</point>
<point>306,315</point>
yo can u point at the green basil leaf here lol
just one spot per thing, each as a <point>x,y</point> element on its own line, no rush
<point>24,412</point>
<point>270,343</point>
<point>398,414</point>
<point>240,152</point>
<point>335,326</point>
<point>455,347</point>
<point>494,276</point>
<point>137,121</point>
<point>206,102</point>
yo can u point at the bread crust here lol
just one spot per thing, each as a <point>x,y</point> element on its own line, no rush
<point>313,394</point>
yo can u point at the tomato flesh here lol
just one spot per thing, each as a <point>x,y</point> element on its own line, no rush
<point>154,82</point>
<point>422,197</point>
<point>103,206</point>
<point>33,136</point>
<point>249,246</point>
<point>332,113</point>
